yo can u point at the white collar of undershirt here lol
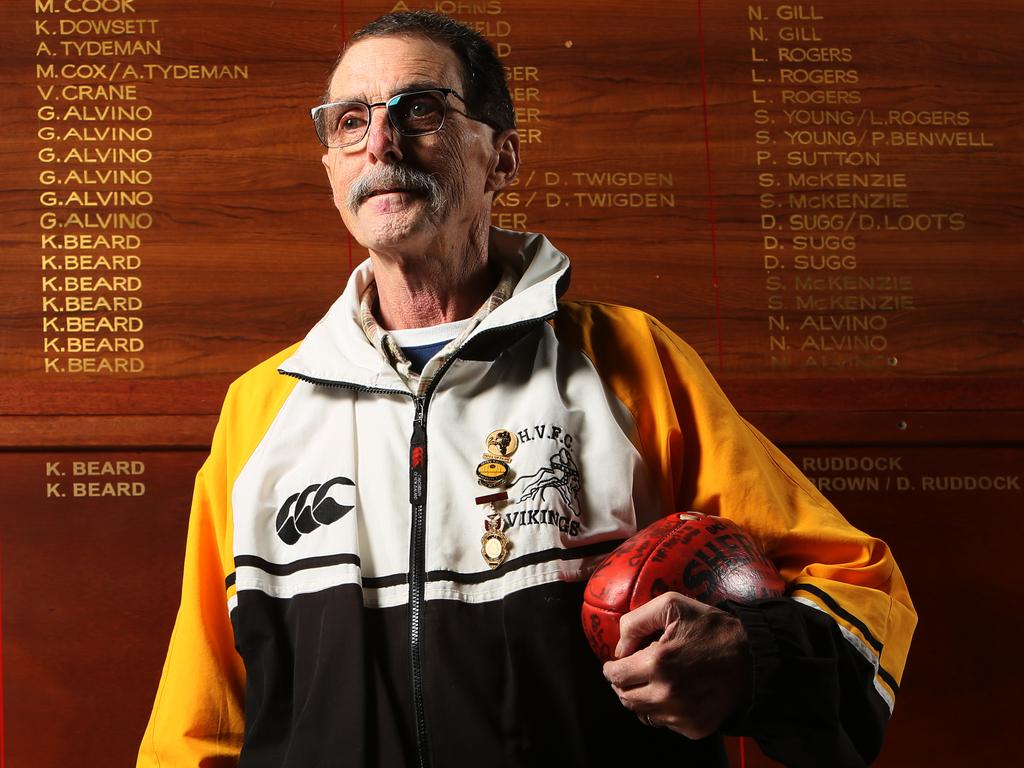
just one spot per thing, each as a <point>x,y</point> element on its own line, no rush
<point>420,337</point>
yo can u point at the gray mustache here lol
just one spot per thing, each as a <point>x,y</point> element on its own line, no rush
<point>395,176</point>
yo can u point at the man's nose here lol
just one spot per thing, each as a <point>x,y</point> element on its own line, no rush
<point>382,140</point>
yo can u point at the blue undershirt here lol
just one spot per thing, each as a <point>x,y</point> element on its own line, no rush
<point>419,345</point>
<point>420,356</point>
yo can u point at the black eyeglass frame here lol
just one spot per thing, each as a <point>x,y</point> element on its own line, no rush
<point>393,102</point>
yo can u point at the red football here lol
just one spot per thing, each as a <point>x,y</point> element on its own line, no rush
<point>701,556</point>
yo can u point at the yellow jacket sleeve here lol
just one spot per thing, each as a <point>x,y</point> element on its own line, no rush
<point>704,456</point>
<point>198,716</point>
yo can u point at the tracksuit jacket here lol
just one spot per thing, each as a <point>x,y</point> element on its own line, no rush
<point>336,608</point>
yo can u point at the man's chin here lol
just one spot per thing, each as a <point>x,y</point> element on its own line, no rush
<point>393,231</point>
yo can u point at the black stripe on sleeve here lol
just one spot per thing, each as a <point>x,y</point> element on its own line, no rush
<point>889,679</point>
<point>838,610</point>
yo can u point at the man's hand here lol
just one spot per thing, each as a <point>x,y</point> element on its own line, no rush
<point>695,674</point>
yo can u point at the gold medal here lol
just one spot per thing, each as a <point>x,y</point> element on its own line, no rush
<point>494,548</point>
<point>494,544</point>
<point>492,474</point>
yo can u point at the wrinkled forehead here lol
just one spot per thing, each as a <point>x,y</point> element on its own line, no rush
<point>376,68</point>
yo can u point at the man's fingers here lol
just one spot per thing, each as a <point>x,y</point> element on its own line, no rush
<point>636,669</point>
<point>637,627</point>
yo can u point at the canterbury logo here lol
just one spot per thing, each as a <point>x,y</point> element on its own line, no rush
<point>304,512</point>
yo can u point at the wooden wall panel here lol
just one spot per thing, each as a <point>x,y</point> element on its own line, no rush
<point>92,554</point>
<point>821,193</point>
<point>951,516</point>
<point>824,199</point>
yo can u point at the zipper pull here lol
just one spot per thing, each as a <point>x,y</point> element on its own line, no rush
<point>418,456</point>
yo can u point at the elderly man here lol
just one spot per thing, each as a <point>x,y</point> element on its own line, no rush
<point>390,539</point>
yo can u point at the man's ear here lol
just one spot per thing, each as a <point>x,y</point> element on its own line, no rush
<point>327,166</point>
<point>326,160</point>
<point>506,168</point>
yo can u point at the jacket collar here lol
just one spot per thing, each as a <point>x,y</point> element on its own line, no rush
<point>336,351</point>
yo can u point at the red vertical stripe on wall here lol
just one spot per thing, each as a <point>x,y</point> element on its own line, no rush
<point>341,29</point>
<point>2,749</point>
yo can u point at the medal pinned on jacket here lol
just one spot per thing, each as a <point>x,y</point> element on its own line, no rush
<point>494,472</point>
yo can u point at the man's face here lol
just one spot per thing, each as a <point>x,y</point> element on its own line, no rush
<point>384,211</point>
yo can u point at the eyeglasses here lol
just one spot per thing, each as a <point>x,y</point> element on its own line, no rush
<point>417,113</point>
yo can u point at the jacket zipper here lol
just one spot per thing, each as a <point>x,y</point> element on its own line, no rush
<point>417,571</point>
<point>344,384</point>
